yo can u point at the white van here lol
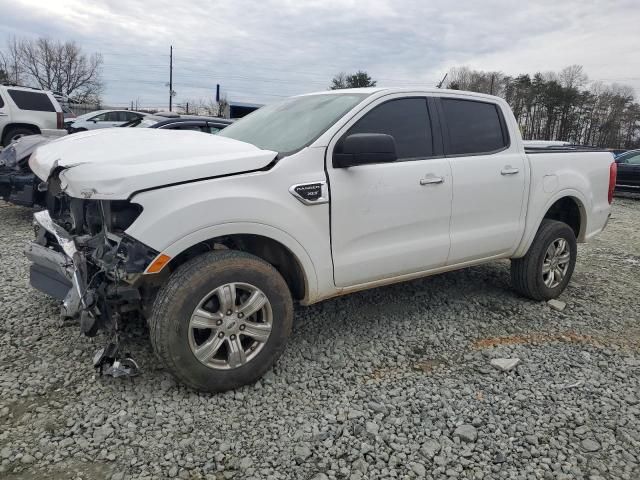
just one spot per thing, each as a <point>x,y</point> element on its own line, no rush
<point>28,111</point>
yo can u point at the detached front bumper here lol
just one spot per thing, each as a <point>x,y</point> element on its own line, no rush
<point>61,275</point>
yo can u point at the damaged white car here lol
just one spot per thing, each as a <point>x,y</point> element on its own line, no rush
<point>213,238</point>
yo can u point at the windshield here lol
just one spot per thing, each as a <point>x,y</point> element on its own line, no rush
<point>293,123</point>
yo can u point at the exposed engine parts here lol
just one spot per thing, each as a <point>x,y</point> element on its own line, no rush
<point>82,257</point>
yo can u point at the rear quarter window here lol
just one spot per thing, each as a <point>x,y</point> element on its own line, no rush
<point>34,101</point>
<point>474,127</point>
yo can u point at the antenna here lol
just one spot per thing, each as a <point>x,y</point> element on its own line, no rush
<point>443,79</point>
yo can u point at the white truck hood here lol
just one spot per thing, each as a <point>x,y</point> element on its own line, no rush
<point>114,163</point>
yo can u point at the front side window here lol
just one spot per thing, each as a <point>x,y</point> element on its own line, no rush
<point>293,123</point>
<point>474,127</point>
<point>406,120</point>
<point>99,118</point>
<point>34,101</point>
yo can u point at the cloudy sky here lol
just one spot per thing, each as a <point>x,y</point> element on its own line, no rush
<point>262,50</point>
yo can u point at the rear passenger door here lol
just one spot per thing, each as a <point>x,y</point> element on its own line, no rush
<point>487,217</point>
<point>391,219</point>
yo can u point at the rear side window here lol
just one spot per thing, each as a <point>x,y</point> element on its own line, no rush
<point>474,127</point>
<point>1,102</point>
<point>406,120</point>
<point>35,101</point>
<point>114,117</point>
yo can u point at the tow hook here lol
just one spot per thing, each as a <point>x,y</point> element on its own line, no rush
<point>108,362</point>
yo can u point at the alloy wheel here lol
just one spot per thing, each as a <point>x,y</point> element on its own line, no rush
<point>230,326</point>
<point>556,263</point>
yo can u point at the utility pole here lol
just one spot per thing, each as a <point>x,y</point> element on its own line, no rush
<point>170,77</point>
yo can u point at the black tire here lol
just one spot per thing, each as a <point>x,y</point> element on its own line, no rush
<point>178,298</point>
<point>526,272</point>
<point>15,133</point>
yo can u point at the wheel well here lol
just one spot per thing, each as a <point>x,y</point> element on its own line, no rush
<point>265,248</point>
<point>567,210</point>
<point>12,126</point>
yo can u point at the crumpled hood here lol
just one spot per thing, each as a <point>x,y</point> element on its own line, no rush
<point>114,163</point>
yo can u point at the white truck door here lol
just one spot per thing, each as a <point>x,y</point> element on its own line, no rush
<point>390,219</point>
<point>487,217</point>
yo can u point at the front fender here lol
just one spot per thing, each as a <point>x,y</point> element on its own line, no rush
<point>239,228</point>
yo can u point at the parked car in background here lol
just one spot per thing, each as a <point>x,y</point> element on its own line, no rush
<point>628,171</point>
<point>18,184</point>
<point>103,119</point>
<point>27,111</point>
<point>69,116</point>
<point>213,237</point>
<point>174,121</point>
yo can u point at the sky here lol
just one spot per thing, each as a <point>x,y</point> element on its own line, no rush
<point>263,50</point>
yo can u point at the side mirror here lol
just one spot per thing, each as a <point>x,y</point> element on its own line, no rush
<point>94,120</point>
<point>365,148</point>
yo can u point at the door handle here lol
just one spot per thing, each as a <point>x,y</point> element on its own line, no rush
<point>509,170</point>
<point>431,180</point>
<point>4,114</point>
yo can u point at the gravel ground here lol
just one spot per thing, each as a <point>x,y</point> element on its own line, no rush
<point>395,382</point>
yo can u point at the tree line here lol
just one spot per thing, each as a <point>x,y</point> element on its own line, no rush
<point>561,105</point>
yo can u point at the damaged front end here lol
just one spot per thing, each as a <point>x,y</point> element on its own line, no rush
<point>82,256</point>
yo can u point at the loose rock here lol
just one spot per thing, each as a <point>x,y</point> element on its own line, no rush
<point>466,433</point>
<point>505,364</point>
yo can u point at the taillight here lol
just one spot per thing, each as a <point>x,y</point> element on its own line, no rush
<point>613,173</point>
<point>59,120</point>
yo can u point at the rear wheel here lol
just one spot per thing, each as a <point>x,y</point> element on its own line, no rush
<point>544,272</point>
<point>221,320</point>
<point>16,133</point>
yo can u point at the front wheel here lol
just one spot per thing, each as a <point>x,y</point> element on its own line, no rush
<point>221,320</point>
<point>544,272</point>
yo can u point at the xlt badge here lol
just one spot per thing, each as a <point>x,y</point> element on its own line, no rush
<point>311,193</point>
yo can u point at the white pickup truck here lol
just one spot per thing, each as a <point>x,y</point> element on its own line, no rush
<point>213,238</point>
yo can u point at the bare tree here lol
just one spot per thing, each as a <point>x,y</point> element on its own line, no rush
<point>355,80</point>
<point>54,65</point>
<point>10,65</point>
<point>222,107</point>
<point>572,76</point>
<point>339,81</point>
<point>202,106</point>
